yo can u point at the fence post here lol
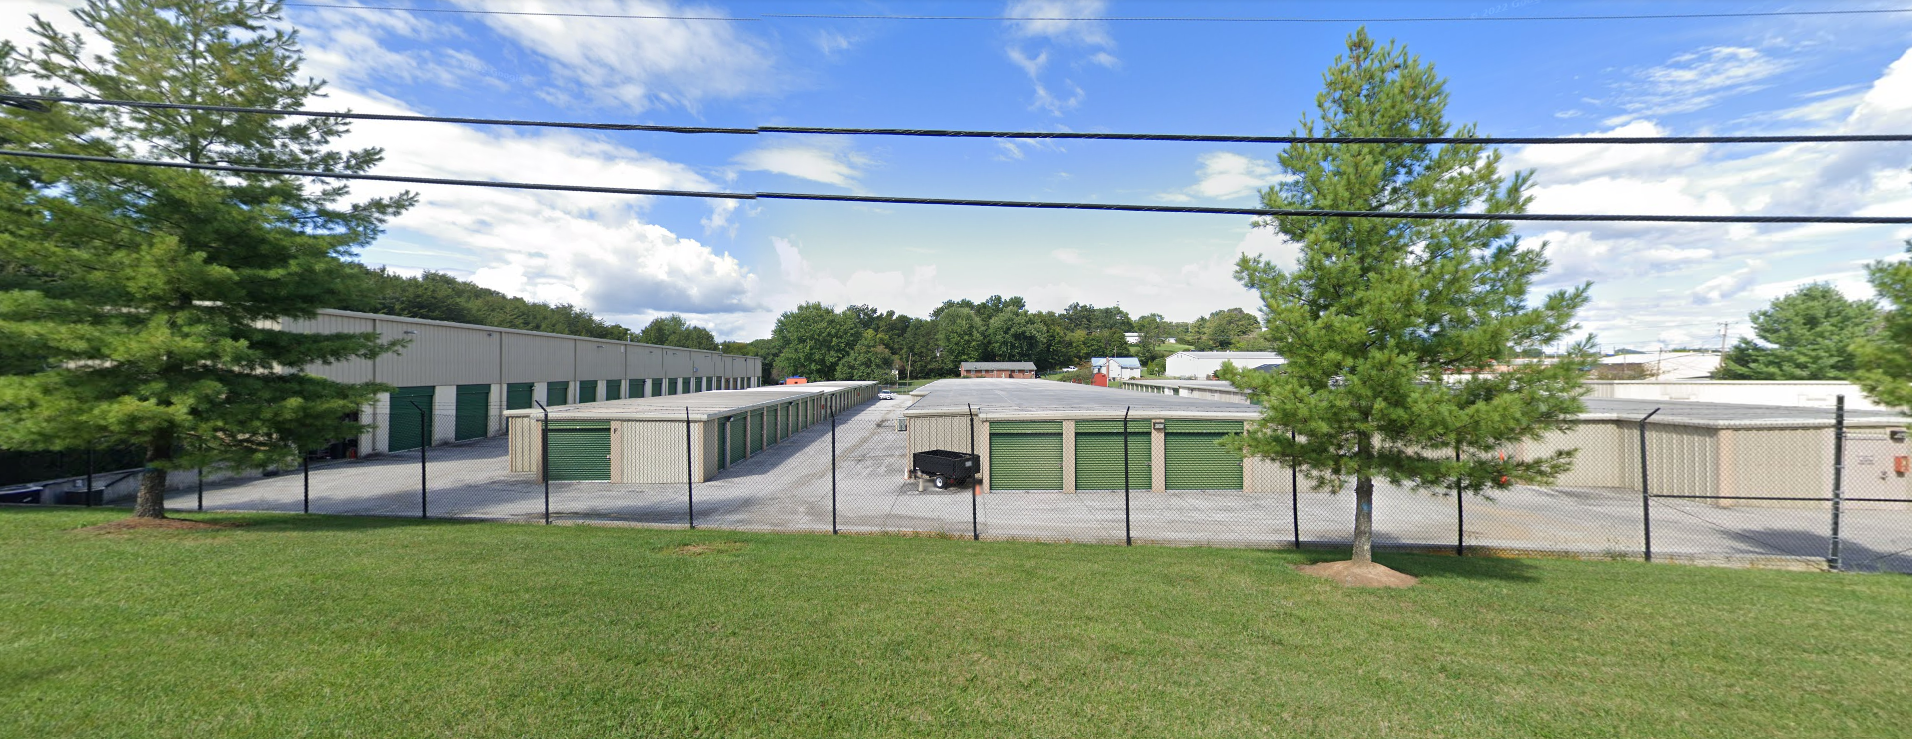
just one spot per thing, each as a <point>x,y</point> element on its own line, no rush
<point>1838,477</point>
<point>305,483</point>
<point>424,443</point>
<point>1460,508</point>
<point>544,458</point>
<point>975,489</point>
<point>833,474</point>
<point>1646,494</point>
<point>1294,490</point>
<point>690,487</point>
<point>1128,535</point>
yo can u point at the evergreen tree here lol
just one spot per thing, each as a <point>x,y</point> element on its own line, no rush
<point>1808,334</point>
<point>148,294</point>
<point>1884,358</point>
<point>1378,313</point>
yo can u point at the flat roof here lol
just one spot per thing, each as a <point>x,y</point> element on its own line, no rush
<point>702,406</point>
<point>1006,399</point>
<point>1203,384</point>
<point>1730,415</point>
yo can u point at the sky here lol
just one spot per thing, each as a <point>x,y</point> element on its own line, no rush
<point>735,266</point>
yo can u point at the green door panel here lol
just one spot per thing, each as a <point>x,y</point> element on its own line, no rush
<point>739,436</point>
<point>1098,462</point>
<point>613,390</point>
<point>409,427</point>
<point>519,395</point>
<point>580,450</point>
<point>474,405</point>
<point>1025,455</point>
<point>1196,460</point>
<point>557,393</point>
<point>587,391</point>
<point>756,431</point>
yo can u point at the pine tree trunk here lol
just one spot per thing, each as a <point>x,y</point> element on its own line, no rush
<point>151,502</point>
<point>1363,519</point>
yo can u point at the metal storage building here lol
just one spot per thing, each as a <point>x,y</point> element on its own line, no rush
<point>455,381</point>
<point>1057,436</point>
<point>642,440</point>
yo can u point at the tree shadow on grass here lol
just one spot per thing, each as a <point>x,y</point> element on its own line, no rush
<point>1436,567</point>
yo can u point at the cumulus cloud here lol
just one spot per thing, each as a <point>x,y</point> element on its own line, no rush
<point>1730,284</point>
<point>1225,175</point>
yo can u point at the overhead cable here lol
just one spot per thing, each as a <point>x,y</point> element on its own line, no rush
<point>956,133</point>
<point>1265,212</point>
<point>1475,18</point>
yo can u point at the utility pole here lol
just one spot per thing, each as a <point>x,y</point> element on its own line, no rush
<point>1723,327</point>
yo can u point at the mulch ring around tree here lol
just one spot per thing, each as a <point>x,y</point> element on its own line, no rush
<point>129,524</point>
<point>1359,574</point>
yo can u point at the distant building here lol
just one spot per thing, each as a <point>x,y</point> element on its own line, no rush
<point>1117,368</point>
<point>1011,370</point>
<point>1660,366</point>
<point>1132,337</point>
<point>1204,365</point>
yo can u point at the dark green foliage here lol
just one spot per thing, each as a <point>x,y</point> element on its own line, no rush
<point>1222,330</point>
<point>1884,358</point>
<point>869,360</point>
<point>440,297</point>
<point>812,340</point>
<point>1809,334</point>
<point>1379,317</point>
<point>139,302</point>
<point>672,330</point>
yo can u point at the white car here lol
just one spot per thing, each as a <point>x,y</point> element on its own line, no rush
<point>886,395</point>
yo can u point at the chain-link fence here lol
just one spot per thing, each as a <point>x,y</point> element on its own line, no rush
<point>850,474</point>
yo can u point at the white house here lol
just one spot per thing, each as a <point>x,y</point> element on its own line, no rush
<point>1117,368</point>
<point>1204,365</point>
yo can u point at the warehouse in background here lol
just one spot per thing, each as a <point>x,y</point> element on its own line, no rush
<point>643,440</point>
<point>1058,436</point>
<point>455,381</point>
<point>1204,365</point>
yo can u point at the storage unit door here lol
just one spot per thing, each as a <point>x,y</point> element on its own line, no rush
<point>739,436</point>
<point>519,395</point>
<point>557,393</point>
<point>723,443</point>
<point>473,403</point>
<point>1025,455</point>
<point>409,427</point>
<point>580,450</point>
<point>1098,462</point>
<point>587,391</point>
<point>613,389</point>
<point>1194,458</point>
<point>756,431</point>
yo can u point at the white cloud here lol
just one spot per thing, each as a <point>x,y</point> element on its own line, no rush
<point>639,65</point>
<point>1225,175</point>
<point>1729,285</point>
<point>1696,80</point>
<point>829,164</point>
<point>1063,24</point>
<point>915,292</point>
<point>1069,256</point>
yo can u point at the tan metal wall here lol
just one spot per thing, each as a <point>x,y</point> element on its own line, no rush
<point>437,355</point>
<point>524,444</point>
<point>598,360</point>
<point>531,358</point>
<point>644,363</point>
<point>1793,463</point>
<point>1602,460</point>
<point>351,370</point>
<point>653,451</point>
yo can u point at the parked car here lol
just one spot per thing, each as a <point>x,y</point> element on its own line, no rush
<point>886,395</point>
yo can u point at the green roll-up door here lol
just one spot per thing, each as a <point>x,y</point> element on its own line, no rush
<point>557,393</point>
<point>580,450</point>
<point>410,428</point>
<point>670,386</point>
<point>613,390</point>
<point>637,389</point>
<point>519,395</point>
<point>1194,459</point>
<point>785,422</point>
<point>1098,449</point>
<point>739,436</point>
<point>772,425</point>
<point>587,391</point>
<point>474,402</point>
<point>756,431</point>
<point>1025,455</point>
<point>723,443</point>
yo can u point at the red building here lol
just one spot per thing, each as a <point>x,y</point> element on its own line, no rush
<point>1011,370</point>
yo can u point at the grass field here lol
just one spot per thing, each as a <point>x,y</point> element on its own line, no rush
<point>289,626</point>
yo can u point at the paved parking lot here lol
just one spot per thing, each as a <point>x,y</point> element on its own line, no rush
<point>788,487</point>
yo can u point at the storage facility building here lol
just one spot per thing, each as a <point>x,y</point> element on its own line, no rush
<point>1204,365</point>
<point>1058,436</point>
<point>643,440</point>
<point>455,381</point>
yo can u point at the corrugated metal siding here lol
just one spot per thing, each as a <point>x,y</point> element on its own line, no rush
<point>351,370</point>
<point>1098,455</point>
<point>519,395</point>
<point>1194,459</point>
<point>599,359</point>
<point>473,412</point>
<point>739,437</point>
<point>438,355</point>
<point>940,432</point>
<point>652,451</point>
<point>537,358</point>
<point>1603,460</point>
<point>756,431</point>
<point>523,443</point>
<point>1779,463</point>
<point>1025,455</point>
<point>580,450</point>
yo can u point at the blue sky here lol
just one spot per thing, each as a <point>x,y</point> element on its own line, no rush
<point>736,267</point>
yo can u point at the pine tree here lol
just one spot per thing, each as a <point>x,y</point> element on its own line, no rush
<point>1808,334</point>
<point>148,293</point>
<point>1381,319</point>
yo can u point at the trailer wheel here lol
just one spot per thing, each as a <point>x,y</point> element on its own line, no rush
<point>941,482</point>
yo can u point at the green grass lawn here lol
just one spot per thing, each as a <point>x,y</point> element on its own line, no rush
<point>291,626</point>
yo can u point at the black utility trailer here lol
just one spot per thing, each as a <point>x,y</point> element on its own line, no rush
<point>944,467</point>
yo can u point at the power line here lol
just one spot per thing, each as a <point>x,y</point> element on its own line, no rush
<point>1121,19</point>
<point>1041,205</point>
<point>957,133</point>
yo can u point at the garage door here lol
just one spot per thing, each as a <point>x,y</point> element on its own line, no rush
<point>409,427</point>
<point>1098,448</point>
<point>474,404</point>
<point>557,393</point>
<point>613,389</point>
<point>519,395</point>
<point>1025,455</point>
<point>1194,458</point>
<point>587,391</point>
<point>739,437</point>
<point>580,450</point>
<point>756,431</point>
